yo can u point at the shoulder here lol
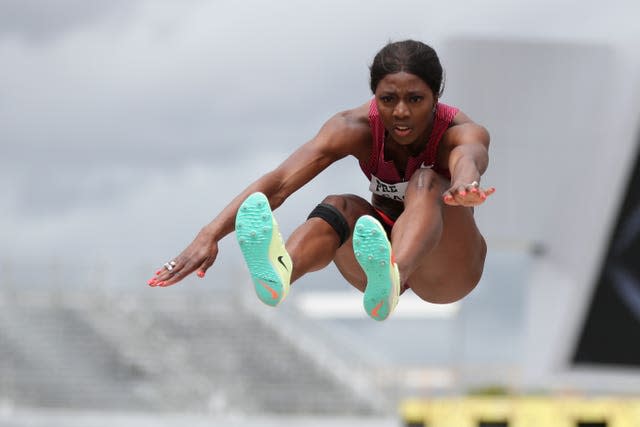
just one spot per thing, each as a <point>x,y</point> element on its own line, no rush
<point>347,132</point>
<point>355,120</point>
<point>464,130</point>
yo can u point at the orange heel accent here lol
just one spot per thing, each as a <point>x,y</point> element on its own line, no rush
<point>375,310</point>
<point>272,291</point>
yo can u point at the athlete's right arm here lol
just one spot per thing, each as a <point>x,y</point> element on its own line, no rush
<point>344,134</point>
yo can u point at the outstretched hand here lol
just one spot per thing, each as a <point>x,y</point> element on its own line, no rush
<point>467,194</point>
<point>199,255</point>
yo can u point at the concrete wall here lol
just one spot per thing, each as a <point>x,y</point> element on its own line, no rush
<point>564,118</point>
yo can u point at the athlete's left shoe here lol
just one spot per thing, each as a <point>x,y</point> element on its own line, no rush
<point>263,249</point>
<point>373,252</point>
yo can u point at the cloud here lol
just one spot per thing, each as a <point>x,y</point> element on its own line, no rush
<point>135,219</point>
<point>201,78</point>
<point>38,21</point>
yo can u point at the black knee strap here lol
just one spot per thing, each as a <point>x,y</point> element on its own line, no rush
<point>334,218</point>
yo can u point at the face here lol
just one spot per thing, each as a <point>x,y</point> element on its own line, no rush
<point>405,104</point>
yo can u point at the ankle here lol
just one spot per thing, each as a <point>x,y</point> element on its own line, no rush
<point>404,271</point>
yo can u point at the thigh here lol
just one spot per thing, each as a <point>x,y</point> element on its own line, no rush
<point>454,267</point>
<point>352,207</point>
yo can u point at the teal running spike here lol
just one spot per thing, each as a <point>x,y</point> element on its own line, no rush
<point>373,253</point>
<point>263,249</point>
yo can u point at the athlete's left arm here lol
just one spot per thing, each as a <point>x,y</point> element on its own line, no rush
<point>464,151</point>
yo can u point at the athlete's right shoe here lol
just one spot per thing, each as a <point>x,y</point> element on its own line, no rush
<point>373,252</point>
<point>263,249</point>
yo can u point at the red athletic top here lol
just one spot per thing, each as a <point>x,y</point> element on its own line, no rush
<point>385,170</point>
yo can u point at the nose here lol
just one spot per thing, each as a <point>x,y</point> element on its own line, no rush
<point>401,110</point>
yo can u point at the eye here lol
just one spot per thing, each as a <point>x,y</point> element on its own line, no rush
<point>386,98</point>
<point>415,99</point>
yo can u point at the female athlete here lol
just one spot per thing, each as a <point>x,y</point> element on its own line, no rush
<point>423,160</point>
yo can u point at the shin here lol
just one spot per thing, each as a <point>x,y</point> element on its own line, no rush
<point>419,229</point>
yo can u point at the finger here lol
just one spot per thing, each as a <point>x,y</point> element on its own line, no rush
<point>489,191</point>
<point>161,278</point>
<point>185,268</point>
<point>202,270</point>
<point>157,278</point>
<point>472,198</point>
<point>460,195</point>
<point>447,197</point>
<point>164,273</point>
<point>451,197</point>
<point>178,275</point>
<point>484,193</point>
<point>451,202</point>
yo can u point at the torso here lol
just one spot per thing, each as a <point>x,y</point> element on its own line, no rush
<point>401,157</point>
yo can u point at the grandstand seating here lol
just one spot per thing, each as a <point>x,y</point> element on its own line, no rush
<point>168,351</point>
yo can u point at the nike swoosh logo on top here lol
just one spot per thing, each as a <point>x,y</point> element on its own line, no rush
<point>282,262</point>
<point>272,291</point>
<point>375,310</point>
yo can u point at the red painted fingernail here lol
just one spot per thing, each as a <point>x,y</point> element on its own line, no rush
<point>474,190</point>
<point>463,193</point>
<point>158,272</point>
<point>200,274</point>
<point>483,196</point>
<point>163,284</point>
<point>151,282</point>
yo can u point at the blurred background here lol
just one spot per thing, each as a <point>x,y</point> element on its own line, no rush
<point>125,126</point>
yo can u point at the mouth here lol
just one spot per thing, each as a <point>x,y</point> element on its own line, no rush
<point>402,131</point>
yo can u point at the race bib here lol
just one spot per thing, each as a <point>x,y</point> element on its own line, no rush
<point>391,191</point>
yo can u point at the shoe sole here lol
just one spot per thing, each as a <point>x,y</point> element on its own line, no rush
<point>262,247</point>
<point>373,252</point>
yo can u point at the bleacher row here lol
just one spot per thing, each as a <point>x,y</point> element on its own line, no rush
<point>170,351</point>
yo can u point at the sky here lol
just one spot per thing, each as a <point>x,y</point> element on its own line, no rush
<point>125,126</point>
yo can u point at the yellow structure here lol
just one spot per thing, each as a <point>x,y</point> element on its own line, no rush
<point>552,411</point>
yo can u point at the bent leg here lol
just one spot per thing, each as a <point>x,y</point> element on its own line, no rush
<point>454,267</point>
<point>315,243</point>
<point>261,244</point>
<point>324,237</point>
<point>419,228</point>
<point>438,248</point>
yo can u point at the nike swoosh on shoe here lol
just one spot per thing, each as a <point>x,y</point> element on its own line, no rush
<point>282,262</point>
